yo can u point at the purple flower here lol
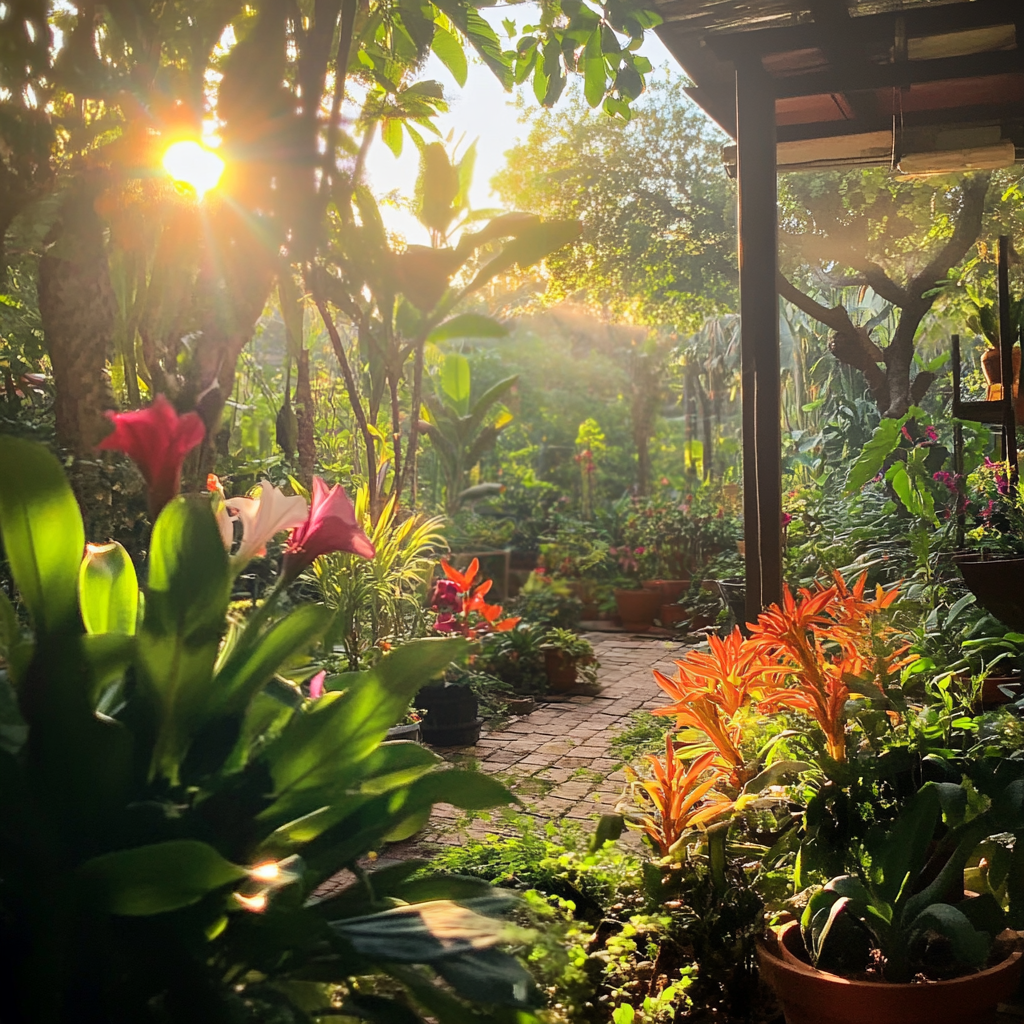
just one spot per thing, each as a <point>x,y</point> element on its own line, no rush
<point>445,623</point>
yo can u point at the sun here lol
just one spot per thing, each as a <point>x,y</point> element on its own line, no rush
<point>191,163</point>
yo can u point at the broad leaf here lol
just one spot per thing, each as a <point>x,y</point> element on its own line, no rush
<point>42,533</point>
<point>311,756</point>
<point>108,590</point>
<point>455,381</point>
<point>451,54</point>
<point>156,879</point>
<point>468,325</point>
<point>869,463</point>
<point>490,976</point>
<point>186,601</point>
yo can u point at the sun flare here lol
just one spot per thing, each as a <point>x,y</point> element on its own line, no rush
<point>191,163</point>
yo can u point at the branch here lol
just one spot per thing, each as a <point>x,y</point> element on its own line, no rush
<point>965,234</point>
<point>850,344</point>
<point>835,317</point>
<point>353,396</point>
<point>829,249</point>
<point>921,383</point>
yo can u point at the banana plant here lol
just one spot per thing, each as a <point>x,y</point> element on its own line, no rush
<point>893,903</point>
<point>396,301</point>
<point>171,803</point>
<point>460,430</point>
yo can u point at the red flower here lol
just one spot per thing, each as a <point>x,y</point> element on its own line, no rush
<point>331,526</point>
<point>157,440</point>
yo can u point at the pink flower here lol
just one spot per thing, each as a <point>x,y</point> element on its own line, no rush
<point>786,519</point>
<point>316,685</point>
<point>639,550</point>
<point>331,526</point>
<point>445,623</point>
<point>931,433</point>
<point>157,440</point>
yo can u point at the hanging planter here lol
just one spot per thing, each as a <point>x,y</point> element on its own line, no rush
<point>998,584</point>
<point>810,996</point>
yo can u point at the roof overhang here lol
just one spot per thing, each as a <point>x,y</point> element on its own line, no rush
<point>863,82</point>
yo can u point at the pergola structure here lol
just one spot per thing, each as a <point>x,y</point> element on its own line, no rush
<point>922,86</point>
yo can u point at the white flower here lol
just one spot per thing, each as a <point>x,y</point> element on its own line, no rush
<point>262,517</point>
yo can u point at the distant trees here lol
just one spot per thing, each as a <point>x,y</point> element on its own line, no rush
<point>658,211</point>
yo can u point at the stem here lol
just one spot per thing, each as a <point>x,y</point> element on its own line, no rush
<point>349,9</point>
<point>353,397</point>
<point>414,419</point>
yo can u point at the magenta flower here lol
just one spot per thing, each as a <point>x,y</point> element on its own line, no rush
<point>446,596</point>
<point>445,623</point>
<point>157,440</point>
<point>786,519</point>
<point>331,526</point>
<point>931,433</point>
<point>316,685</point>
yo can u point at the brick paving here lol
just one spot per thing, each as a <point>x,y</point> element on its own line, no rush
<point>558,761</point>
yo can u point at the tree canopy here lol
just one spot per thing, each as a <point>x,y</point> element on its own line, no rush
<point>658,211</point>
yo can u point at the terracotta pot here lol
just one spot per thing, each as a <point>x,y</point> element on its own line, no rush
<point>997,584</point>
<point>999,690</point>
<point>991,360</point>
<point>560,668</point>
<point>638,608</point>
<point>670,590</point>
<point>672,615</point>
<point>701,622</point>
<point>809,996</point>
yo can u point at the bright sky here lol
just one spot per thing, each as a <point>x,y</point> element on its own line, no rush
<point>482,110</point>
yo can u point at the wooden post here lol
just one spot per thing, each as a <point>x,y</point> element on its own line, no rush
<point>1006,340</point>
<point>759,309</point>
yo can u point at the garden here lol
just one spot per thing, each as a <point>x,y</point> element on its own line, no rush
<point>374,635</point>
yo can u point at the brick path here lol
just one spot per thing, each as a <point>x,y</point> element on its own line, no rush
<point>557,760</point>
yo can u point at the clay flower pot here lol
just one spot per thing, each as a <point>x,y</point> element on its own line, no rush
<point>672,615</point>
<point>560,669</point>
<point>991,365</point>
<point>638,608</point>
<point>670,590</point>
<point>810,996</point>
<point>999,690</point>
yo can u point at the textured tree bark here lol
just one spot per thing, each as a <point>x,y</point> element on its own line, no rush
<point>77,309</point>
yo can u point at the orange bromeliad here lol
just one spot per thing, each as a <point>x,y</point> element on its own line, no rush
<point>817,640</point>
<point>709,690</point>
<point>678,795</point>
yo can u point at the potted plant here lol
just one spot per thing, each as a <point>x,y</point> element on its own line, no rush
<point>865,937</point>
<point>516,658</point>
<point>564,654</point>
<point>450,715</point>
<point>407,729</point>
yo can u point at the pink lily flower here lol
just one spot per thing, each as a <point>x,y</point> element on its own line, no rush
<point>331,526</point>
<point>157,440</point>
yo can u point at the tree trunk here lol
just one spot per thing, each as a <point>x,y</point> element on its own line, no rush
<point>305,414</point>
<point>77,310</point>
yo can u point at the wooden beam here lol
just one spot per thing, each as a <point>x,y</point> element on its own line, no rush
<point>868,77</point>
<point>759,309</point>
<point>933,19</point>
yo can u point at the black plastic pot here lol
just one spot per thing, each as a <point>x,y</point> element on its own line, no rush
<point>450,716</point>
<point>734,594</point>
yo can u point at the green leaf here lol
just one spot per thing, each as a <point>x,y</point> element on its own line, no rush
<point>489,976</point>
<point>156,879</point>
<point>312,754</point>
<point>869,463</point>
<point>391,134</point>
<point>186,604</point>
<point>529,247</point>
<point>455,381</point>
<point>42,533</point>
<point>468,325</point>
<point>593,69</point>
<point>608,830</point>
<point>451,54</point>
<point>247,671</point>
<point>422,933</point>
<point>969,947</point>
<point>108,590</point>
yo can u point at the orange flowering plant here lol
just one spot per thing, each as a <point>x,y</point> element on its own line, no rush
<point>681,798</point>
<point>825,645</point>
<point>460,604</point>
